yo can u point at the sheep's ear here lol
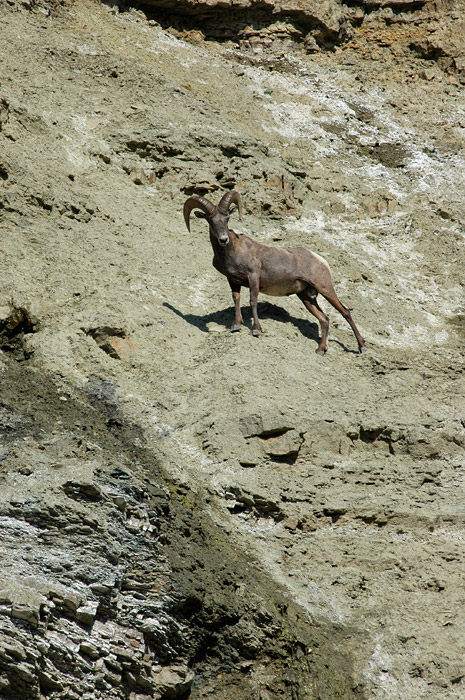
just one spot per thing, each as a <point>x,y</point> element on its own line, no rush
<point>200,214</point>
<point>233,210</point>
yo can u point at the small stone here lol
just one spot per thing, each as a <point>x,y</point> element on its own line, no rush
<point>6,597</point>
<point>113,678</point>
<point>12,649</point>
<point>24,611</point>
<point>291,523</point>
<point>83,490</point>
<point>102,588</point>
<point>88,648</point>
<point>86,613</point>
<point>120,501</point>
<point>124,347</point>
<point>264,425</point>
<point>25,672</point>
<point>286,445</point>
<point>138,177</point>
<point>428,74</point>
<point>112,662</point>
<point>173,682</point>
<point>48,683</point>
<point>152,626</point>
<point>70,600</point>
<point>143,682</point>
<point>125,654</point>
<point>43,647</point>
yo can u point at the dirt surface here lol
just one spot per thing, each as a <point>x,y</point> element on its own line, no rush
<point>188,512</point>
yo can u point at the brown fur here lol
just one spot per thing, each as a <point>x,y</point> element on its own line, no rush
<point>268,269</point>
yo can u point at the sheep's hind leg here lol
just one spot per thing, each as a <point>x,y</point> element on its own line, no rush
<point>254,288</point>
<point>344,311</point>
<point>236,295</point>
<point>311,304</point>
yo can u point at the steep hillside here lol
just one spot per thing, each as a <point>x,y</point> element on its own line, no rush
<point>189,512</point>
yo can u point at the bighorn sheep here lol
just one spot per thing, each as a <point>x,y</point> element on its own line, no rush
<point>262,268</point>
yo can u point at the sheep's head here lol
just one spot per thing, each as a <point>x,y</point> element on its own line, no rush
<point>217,216</point>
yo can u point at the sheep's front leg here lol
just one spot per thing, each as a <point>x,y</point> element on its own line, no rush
<point>312,305</point>
<point>254,287</point>
<point>236,295</point>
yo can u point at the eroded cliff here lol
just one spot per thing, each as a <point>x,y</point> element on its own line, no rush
<point>187,512</point>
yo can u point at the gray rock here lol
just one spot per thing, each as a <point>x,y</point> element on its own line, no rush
<point>86,613</point>
<point>92,648</point>
<point>286,445</point>
<point>26,612</point>
<point>173,682</point>
<point>265,425</point>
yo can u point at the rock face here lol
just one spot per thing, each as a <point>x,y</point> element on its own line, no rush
<point>186,512</point>
<point>246,19</point>
<point>108,586</point>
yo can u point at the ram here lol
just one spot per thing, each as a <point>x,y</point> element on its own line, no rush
<point>274,271</point>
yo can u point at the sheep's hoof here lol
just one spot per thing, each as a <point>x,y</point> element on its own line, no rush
<point>320,352</point>
<point>235,327</point>
<point>255,332</point>
<point>362,350</point>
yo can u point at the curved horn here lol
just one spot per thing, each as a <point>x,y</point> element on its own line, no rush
<point>197,202</point>
<point>229,198</point>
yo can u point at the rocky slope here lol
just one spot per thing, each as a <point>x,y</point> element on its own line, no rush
<point>187,512</point>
